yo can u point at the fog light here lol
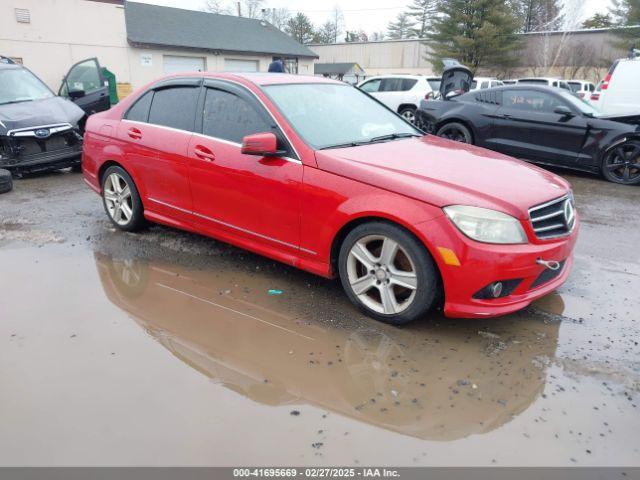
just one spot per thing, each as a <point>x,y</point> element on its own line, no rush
<point>496,289</point>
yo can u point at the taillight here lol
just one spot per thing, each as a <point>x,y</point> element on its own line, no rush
<point>595,96</point>
<point>581,94</point>
<point>605,82</point>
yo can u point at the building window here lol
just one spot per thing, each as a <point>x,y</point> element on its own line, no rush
<point>23,15</point>
<point>291,65</point>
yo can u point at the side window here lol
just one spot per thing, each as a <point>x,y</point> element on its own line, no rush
<point>408,84</point>
<point>555,84</point>
<point>592,87</point>
<point>371,86</point>
<point>391,85</point>
<point>484,85</point>
<point>530,100</point>
<point>84,76</point>
<point>229,117</point>
<point>174,107</point>
<point>139,112</point>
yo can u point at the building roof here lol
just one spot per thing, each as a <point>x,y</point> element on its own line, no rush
<point>337,68</point>
<point>152,25</point>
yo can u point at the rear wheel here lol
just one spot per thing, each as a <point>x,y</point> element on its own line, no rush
<point>408,113</point>
<point>122,200</point>
<point>455,131</point>
<point>387,273</point>
<point>622,163</point>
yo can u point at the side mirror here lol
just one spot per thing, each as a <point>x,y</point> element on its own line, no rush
<point>261,144</point>
<point>564,111</point>
<point>76,93</point>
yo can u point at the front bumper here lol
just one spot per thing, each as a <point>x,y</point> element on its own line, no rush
<point>481,264</point>
<point>25,155</point>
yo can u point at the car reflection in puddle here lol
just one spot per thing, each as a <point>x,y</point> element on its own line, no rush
<point>436,379</point>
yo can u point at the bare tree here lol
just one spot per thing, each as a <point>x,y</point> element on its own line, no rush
<point>216,6</point>
<point>337,20</point>
<point>278,17</point>
<point>251,8</point>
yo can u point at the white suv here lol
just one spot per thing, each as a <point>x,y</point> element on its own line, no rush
<point>619,92</point>
<point>582,88</point>
<point>400,93</point>
<point>551,82</point>
<point>480,83</point>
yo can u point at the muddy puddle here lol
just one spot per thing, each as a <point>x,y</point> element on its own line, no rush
<point>164,348</point>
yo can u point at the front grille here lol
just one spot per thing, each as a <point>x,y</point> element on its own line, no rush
<point>553,219</point>
<point>27,148</point>
<point>547,275</point>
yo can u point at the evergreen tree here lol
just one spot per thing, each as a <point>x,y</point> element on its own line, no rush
<point>478,33</point>
<point>599,20</point>
<point>300,27</point>
<point>422,13</point>
<point>626,13</point>
<point>401,28</point>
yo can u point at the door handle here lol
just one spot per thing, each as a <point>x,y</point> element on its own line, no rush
<point>204,153</point>
<point>134,133</point>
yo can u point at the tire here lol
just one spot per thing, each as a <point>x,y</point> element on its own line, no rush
<point>622,163</point>
<point>455,131</point>
<point>409,114</point>
<point>368,278</point>
<point>6,181</point>
<point>121,200</point>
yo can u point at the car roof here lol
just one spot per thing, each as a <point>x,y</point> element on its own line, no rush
<point>398,75</point>
<point>549,79</point>
<point>541,88</point>
<point>10,66</point>
<point>259,78</point>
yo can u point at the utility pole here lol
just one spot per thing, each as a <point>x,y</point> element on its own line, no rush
<point>239,10</point>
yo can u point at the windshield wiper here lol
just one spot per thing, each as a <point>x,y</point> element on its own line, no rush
<point>343,145</point>
<point>392,136</point>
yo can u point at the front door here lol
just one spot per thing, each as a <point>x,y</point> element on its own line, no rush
<point>526,126</point>
<point>246,195</point>
<point>85,85</point>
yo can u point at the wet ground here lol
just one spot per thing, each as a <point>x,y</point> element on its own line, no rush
<point>166,348</point>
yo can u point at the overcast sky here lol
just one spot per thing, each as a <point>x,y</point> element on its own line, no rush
<point>368,15</point>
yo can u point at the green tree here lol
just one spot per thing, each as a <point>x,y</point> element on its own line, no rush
<point>626,14</point>
<point>599,20</point>
<point>401,28</point>
<point>422,13</point>
<point>478,33</point>
<point>538,15</point>
<point>300,27</point>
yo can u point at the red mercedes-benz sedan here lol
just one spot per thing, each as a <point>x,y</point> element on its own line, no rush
<point>319,175</point>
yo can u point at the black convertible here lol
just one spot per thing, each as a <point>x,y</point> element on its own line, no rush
<point>540,124</point>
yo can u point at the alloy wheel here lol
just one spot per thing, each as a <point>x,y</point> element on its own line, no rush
<point>451,132</point>
<point>117,197</point>
<point>409,115</point>
<point>623,163</point>
<point>382,274</point>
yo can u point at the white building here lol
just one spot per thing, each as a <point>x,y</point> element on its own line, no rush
<point>139,42</point>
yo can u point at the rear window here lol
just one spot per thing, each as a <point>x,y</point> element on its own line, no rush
<point>575,86</point>
<point>174,107</point>
<point>434,84</point>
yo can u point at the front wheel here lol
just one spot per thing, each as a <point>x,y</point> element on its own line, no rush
<point>622,163</point>
<point>456,132</point>
<point>121,199</point>
<point>387,273</point>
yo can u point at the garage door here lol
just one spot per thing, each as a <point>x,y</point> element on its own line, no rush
<point>175,64</point>
<point>234,65</point>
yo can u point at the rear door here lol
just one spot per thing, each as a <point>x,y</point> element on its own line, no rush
<point>156,131</point>
<point>526,126</point>
<point>247,195</point>
<point>85,85</point>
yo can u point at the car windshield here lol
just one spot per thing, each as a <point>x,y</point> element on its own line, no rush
<point>20,85</point>
<point>579,103</point>
<point>330,116</point>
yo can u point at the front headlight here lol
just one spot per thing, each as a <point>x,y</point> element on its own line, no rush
<point>484,225</point>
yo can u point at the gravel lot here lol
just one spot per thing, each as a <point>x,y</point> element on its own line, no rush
<point>166,348</point>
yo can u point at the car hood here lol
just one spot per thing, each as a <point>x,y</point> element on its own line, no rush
<point>442,172</point>
<point>49,111</point>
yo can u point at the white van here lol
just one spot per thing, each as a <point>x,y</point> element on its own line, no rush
<point>619,92</point>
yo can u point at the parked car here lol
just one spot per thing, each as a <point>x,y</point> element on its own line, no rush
<point>317,174</point>
<point>582,88</point>
<point>480,83</point>
<point>434,83</point>
<point>39,130</point>
<point>550,82</point>
<point>545,125</point>
<point>401,93</point>
<point>619,92</point>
